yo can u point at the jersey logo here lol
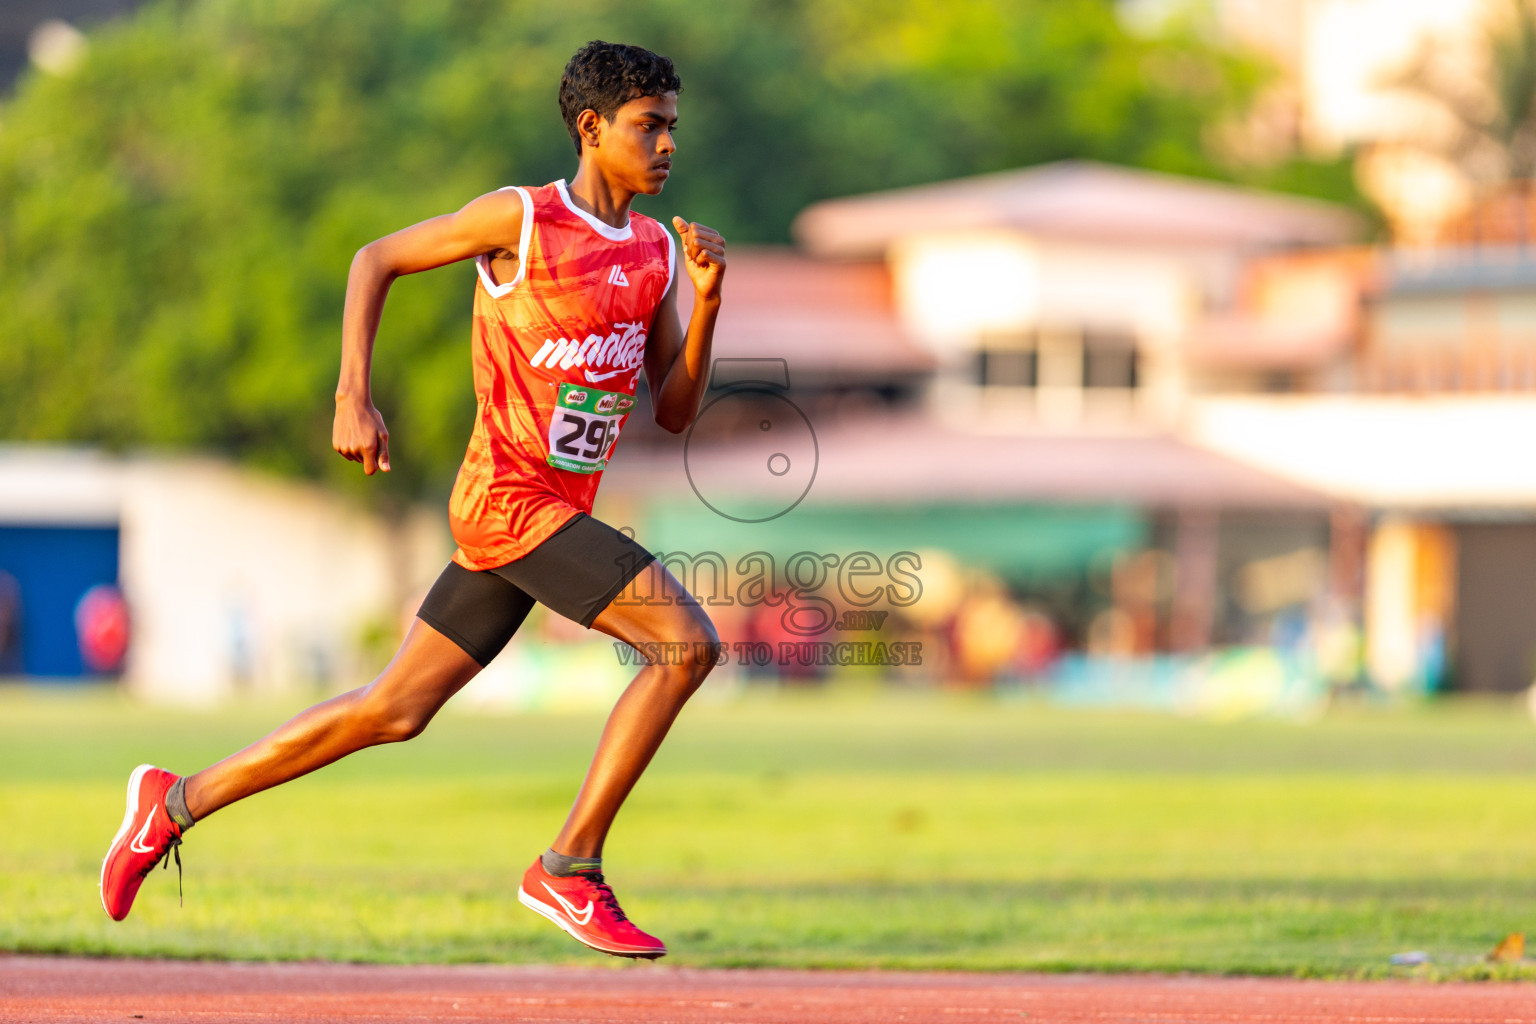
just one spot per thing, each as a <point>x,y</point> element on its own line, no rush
<point>616,277</point>
<point>600,355</point>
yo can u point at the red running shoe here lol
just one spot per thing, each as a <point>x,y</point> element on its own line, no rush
<point>584,906</point>
<point>147,838</point>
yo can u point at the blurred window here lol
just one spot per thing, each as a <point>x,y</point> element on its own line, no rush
<point>1007,361</point>
<point>1109,360</point>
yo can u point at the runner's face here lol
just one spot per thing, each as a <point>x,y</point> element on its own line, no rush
<point>637,146</point>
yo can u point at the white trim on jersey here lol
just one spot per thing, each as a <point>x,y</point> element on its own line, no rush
<point>608,231</point>
<point>483,261</point>
<point>671,258</point>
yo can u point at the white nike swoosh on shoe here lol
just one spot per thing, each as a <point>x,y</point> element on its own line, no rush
<point>130,811</point>
<point>557,919</point>
<point>581,917</point>
<point>137,846</point>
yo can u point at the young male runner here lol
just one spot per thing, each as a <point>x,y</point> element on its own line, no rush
<point>575,294</point>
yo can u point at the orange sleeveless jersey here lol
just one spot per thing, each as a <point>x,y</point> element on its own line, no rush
<point>557,352</point>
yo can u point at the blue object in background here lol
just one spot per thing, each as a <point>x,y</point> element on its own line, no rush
<point>55,566</point>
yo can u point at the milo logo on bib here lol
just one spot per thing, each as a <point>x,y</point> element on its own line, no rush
<point>584,427</point>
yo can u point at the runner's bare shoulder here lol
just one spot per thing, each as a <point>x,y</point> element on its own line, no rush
<point>495,218</point>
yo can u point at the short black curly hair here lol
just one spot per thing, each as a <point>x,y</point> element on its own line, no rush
<point>604,76</point>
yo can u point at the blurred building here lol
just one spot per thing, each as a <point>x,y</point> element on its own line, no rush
<point>998,371</point>
<point>1343,59</point>
<point>1404,85</point>
<point>1079,294</point>
<point>233,581</point>
<point>1072,423</point>
<point>1421,419</point>
<point>1170,415</point>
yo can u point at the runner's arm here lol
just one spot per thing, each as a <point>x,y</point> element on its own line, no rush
<point>490,223</point>
<point>677,367</point>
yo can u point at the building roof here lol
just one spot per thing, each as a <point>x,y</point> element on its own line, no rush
<point>1295,311</point>
<point>817,316</point>
<point>1077,200</point>
<point>59,485</point>
<point>900,459</point>
<point>1247,342</point>
<point>1454,452</point>
<point>1459,270</point>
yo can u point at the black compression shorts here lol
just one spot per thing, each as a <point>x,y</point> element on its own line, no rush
<point>577,572</point>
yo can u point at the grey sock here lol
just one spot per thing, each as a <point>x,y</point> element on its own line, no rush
<point>176,804</point>
<point>561,866</point>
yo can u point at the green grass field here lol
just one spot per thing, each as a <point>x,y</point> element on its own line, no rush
<point>816,831</point>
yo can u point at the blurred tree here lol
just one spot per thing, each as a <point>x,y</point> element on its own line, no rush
<point>178,212</point>
<point>1494,113</point>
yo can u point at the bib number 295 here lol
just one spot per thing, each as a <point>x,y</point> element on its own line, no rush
<point>584,427</point>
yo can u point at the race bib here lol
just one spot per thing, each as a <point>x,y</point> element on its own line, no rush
<point>584,427</point>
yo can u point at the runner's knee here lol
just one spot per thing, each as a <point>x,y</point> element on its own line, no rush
<point>391,722</point>
<point>402,727</point>
<point>703,647</point>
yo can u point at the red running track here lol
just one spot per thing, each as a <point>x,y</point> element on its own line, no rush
<point>45,989</point>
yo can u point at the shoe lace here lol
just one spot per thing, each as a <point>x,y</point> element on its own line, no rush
<point>605,895</point>
<point>163,860</point>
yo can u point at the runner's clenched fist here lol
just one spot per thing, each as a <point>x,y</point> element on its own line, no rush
<point>703,255</point>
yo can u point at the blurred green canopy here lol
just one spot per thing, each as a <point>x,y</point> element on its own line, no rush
<point>1034,542</point>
